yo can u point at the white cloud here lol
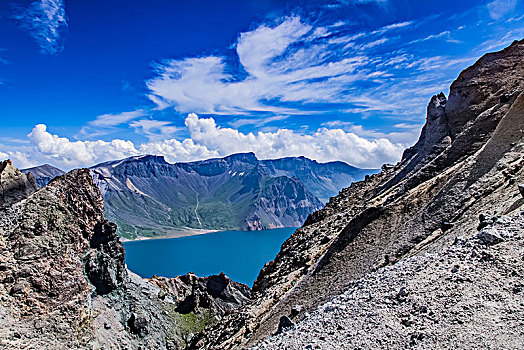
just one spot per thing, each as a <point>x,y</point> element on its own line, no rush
<point>407,136</point>
<point>292,67</point>
<point>446,33</point>
<point>372,44</point>
<point>69,154</point>
<point>155,129</point>
<point>322,145</point>
<point>237,123</point>
<point>278,69</point>
<point>106,123</point>
<point>391,27</point>
<point>179,151</point>
<point>45,20</point>
<point>106,120</point>
<point>500,8</point>
<point>207,140</point>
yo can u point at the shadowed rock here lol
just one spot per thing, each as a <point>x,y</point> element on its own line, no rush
<point>14,185</point>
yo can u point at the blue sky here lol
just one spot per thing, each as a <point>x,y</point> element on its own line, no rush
<point>83,82</point>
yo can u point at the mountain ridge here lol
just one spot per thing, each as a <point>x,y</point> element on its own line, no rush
<point>43,173</point>
<point>238,192</point>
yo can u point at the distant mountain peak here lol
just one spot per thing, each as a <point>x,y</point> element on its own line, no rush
<point>248,157</point>
<point>43,173</point>
<point>152,159</point>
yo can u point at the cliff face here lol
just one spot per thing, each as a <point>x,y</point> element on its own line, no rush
<point>43,173</point>
<point>63,280</point>
<point>468,160</point>
<point>230,193</point>
<point>14,185</point>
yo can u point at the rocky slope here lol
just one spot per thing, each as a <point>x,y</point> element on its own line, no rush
<point>468,160</point>
<point>470,295</point>
<point>63,280</point>
<point>44,173</point>
<point>235,192</point>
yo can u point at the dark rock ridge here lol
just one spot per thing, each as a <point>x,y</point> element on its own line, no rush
<point>63,280</point>
<point>146,196</point>
<point>44,173</point>
<point>469,160</point>
<point>14,185</point>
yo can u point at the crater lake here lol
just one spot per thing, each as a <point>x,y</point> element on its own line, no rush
<point>239,254</point>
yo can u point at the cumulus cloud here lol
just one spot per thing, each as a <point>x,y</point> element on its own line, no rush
<point>207,140</point>
<point>70,154</point>
<point>322,145</point>
<point>45,20</point>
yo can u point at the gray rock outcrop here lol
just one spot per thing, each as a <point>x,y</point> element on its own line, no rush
<point>14,184</point>
<point>63,280</point>
<point>468,296</point>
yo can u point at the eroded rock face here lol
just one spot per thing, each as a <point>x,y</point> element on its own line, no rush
<point>468,160</point>
<point>445,300</point>
<point>202,301</point>
<point>218,292</point>
<point>63,277</point>
<point>104,265</point>
<point>64,284</point>
<point>14,185</point>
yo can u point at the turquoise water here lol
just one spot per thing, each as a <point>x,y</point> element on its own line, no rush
<point>239,254</point>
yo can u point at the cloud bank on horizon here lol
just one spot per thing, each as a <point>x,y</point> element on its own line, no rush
<point>321,85</point>
<point>208,140</point>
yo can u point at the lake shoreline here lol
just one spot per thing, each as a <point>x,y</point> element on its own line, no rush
<point>179,234</point>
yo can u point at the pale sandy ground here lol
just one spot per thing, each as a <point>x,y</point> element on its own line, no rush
<point>173,234</point>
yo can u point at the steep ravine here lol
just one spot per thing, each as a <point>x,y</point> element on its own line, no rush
<point>468,161</point>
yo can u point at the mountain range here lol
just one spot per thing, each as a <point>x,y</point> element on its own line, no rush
<point>146,196</point>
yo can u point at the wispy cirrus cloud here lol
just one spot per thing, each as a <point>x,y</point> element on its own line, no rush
<point>45,20</point>
<point>237,123</point>
<point>391,27</point>
<point>107,123</point>
<point>500,8</point>
<point>296,68</point>
<point>446,33</point>
<point>155,129</point>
